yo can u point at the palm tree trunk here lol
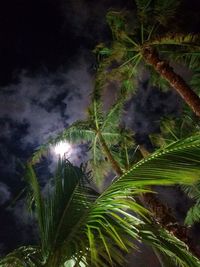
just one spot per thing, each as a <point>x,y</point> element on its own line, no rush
<point>110,157</point>
<point>151,57</point>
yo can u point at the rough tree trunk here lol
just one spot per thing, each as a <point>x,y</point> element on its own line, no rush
<point>151,57</point>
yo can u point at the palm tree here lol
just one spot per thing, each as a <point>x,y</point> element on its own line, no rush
<point>102,130</point>
<point>80,227</point>
<point>151,41</point>
<point>103,133</point>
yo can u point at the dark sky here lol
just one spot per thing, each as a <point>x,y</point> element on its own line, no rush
<point>46,72</point>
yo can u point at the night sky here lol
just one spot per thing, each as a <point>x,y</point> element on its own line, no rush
<point>46,76</point>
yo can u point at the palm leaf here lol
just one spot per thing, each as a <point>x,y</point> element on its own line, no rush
<point>177,163</point>
<point>176,39</point>
<point>168,245</point>
<point>66,199</point>
<point>144,8</point>
<point>195,81</point>
<point>98,230</point>
<point>31,180</point>
<point>193,214</point>
<point>165,10</point>
<point>186,48</point>
<point>23,256</point>
<point>116,21</point>
<point>78,132</point>
<point>113,117</point>
<point>97,163</point>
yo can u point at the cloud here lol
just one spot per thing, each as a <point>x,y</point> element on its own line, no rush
<point>26,222</point>
<point>5,194</point>
<point>46,102</point>
<point>145,110</point>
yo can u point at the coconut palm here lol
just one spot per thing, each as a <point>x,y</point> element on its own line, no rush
<point>102,132</point>
<point>150,40</point>
<point>79,227</point>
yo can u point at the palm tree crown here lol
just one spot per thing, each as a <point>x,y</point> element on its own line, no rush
<point>151,41</point>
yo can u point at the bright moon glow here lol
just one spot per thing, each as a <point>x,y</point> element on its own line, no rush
<point>63,149</point>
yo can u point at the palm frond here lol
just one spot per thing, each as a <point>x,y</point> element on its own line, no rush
<point>193,214</point>
<point>192,41</point>
<point>156,80</point>
<point>189,59</point>
<point>185,169</point>
<point>195,81</point>
<point>124,152</point>
<point>95,111</point>
<point>193,192</point>
<point>176,163</point>
<point>165,10</point>
<point>78,132</point>
<point>63,208</point>
<point>117,23</point>
<point>173,129</point>
<point>144,8</point>
<point>78,224</point>
<point>168,245</point>
<point>113,117</point>
<point>180,48</point>
<point>97,163</point>
<point>23,256</point>
<point>34,189</point>
<point>154,12</point>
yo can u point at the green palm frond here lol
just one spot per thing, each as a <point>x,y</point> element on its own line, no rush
<point>113,117</point>
<point>165,10</point>
<point>124,151</point>
<point>95,112</point>
<point>177,39</point>
<point>63,208</point>
<point>78,132</point>
<point>169,246</point>
<point>31,179</point>
<point>176,163</point>
<point>117,67</point>
<point>144,8</point>
<point>193,192</point>
<point>189,59</point>
<point>97,229</point>
<point>193,214</point>
<point>156,11</point>
<point>23,256</point>
<point>116,21</point>
<point>156,80</point>
<point>195,81</point>
<point>97,163</point>
<point>148,172</point>
<point>173,129</point>
<point>186,48</point>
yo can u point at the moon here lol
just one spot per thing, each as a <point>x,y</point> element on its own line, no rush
<point>62,149</point>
